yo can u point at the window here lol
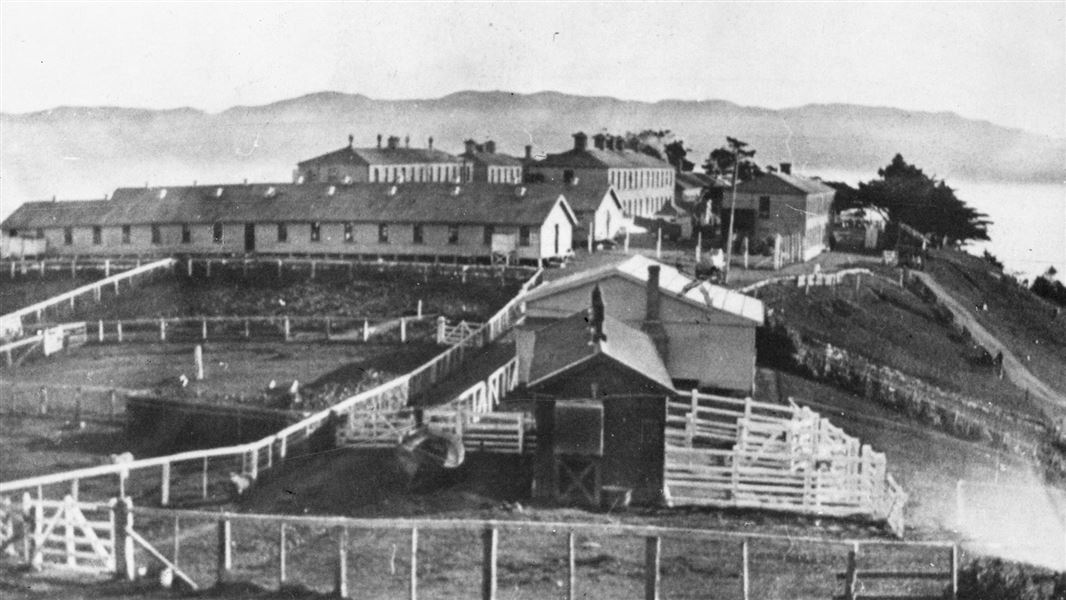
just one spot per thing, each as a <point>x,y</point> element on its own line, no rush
<point>125,234</point>
<point>68,236</point>
<point>383,233</point>
<point>332,175</point>
<point>416,234</point>
<point>568,176</point>
<point>186,234</point>
<point>216,233</point>
<point>349,233</point>
<point>39,233</point>
<point>316,231</point>
<point>157,237</point>
<point>764,207</point>
<point>487,238</point>
<point>283,233</point>
<point>523,235</point>
<point>375,175</point>
<point>453,234</point>
<point>98,235</point>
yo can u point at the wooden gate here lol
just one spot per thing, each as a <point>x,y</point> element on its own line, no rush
<point>72,535</point>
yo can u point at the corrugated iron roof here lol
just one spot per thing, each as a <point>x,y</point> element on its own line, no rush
<point>471,203</point>
<point>671,280</point>
<point>67,213</point>
<point>566,344</point>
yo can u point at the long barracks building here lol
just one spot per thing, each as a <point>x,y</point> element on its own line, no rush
<point>470,222</point>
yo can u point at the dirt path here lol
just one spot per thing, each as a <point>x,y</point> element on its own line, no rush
<point>1013,367</point>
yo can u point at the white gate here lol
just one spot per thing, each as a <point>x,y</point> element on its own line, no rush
<point>72,535</point>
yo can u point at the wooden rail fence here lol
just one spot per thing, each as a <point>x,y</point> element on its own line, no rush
<point>161,533</point>
<point>11,324</point>
<point>742,453</point>
<point>203,474</point>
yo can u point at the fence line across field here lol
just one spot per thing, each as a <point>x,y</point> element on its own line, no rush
<point>263,454</point>
<point>112,548</point>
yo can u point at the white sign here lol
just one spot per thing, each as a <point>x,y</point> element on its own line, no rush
<point>53,340</point>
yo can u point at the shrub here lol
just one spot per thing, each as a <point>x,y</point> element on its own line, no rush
<point>995,579</point>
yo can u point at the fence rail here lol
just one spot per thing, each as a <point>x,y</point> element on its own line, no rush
<point>741,453</point>
<point>203,474</point>
<point>288,539</point>
<point>11,323</point>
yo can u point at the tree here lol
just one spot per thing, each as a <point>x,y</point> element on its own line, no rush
<point>907,195</point>
<point>846,197</point>
<point>1049,287</point>
<point>675,155</point>
<point>722,160</point>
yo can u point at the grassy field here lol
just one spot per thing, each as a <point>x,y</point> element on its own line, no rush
<point>893,327</point>
<point>1021,320</point>
<point>24,291</point>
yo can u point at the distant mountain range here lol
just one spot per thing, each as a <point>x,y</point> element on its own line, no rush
<point>85,152</point>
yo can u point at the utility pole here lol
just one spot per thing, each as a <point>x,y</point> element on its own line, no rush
<point>737,147</point>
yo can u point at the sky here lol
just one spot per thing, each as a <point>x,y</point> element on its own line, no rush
<point>1001,62</point>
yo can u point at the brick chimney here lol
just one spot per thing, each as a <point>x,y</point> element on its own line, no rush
<point>490,147</point>
<point>393,142</point>
<point>470,145</point>
<point>430,142</point>
<point>609,143</point>
<point>529,152</point>
<point>786,168</point>
<point>581,141</point>
<point>406,141</point>
<point>379,140</point>
<point>653,325</point>
<point>598,140</point>
<point>351,140</point>
<point>596,318</point>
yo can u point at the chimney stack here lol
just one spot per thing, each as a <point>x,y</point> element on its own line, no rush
<point>430,142</point>
<point>653,325</point>
<point>609,143</point>
<point>351,140</point>
<point>490,147</point>
<point>393,142</point>
<point>379,140</point>
<point>406,141</point>
<point>598,313</point>
<point>529,152</point>
<point>471,146</point>
<point>581,141</point>
<point>598,140</point>
<point>786,168</point>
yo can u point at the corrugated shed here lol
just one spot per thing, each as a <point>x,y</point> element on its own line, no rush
<point>566,344</point>
<point>472,203</point>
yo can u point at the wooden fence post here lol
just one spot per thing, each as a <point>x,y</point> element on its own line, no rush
<point>281,555</point>
<point>164,485</point>
<point>340,586</point>
<point>419,312</point>
<point>571,566</point>
<point>118,328</point>
<point>413,588</point>
<point>403,329</point>
<point>745,572</point>
<point>203,480</point>
<point>954,571</point>
<point>287,329</point>
<point>652,548</point>
<point>851,575</point>
<point>490,540</point>
<point>100,331</point>
<point>177,541</point>
<point>225,550</point>
<point>125,566</point>
<point>162,330</point>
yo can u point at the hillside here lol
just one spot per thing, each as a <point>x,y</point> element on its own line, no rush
<point>85,152</point>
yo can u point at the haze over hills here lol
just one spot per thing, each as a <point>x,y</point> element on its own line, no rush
<point>85,152</point>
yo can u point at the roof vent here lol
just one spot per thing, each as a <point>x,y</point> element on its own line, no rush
<point>520,191</point>
<point>456,190</point>
<point>392,190</point>
<point>271,192</point>
<point>300,179</point>
<point>162,193</point>
<point>347,180</point>
<point>575,180</point>
<point>218,192</point>
<point>332,190</point>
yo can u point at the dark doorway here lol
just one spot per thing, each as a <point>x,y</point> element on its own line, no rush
<point>249,237</point>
